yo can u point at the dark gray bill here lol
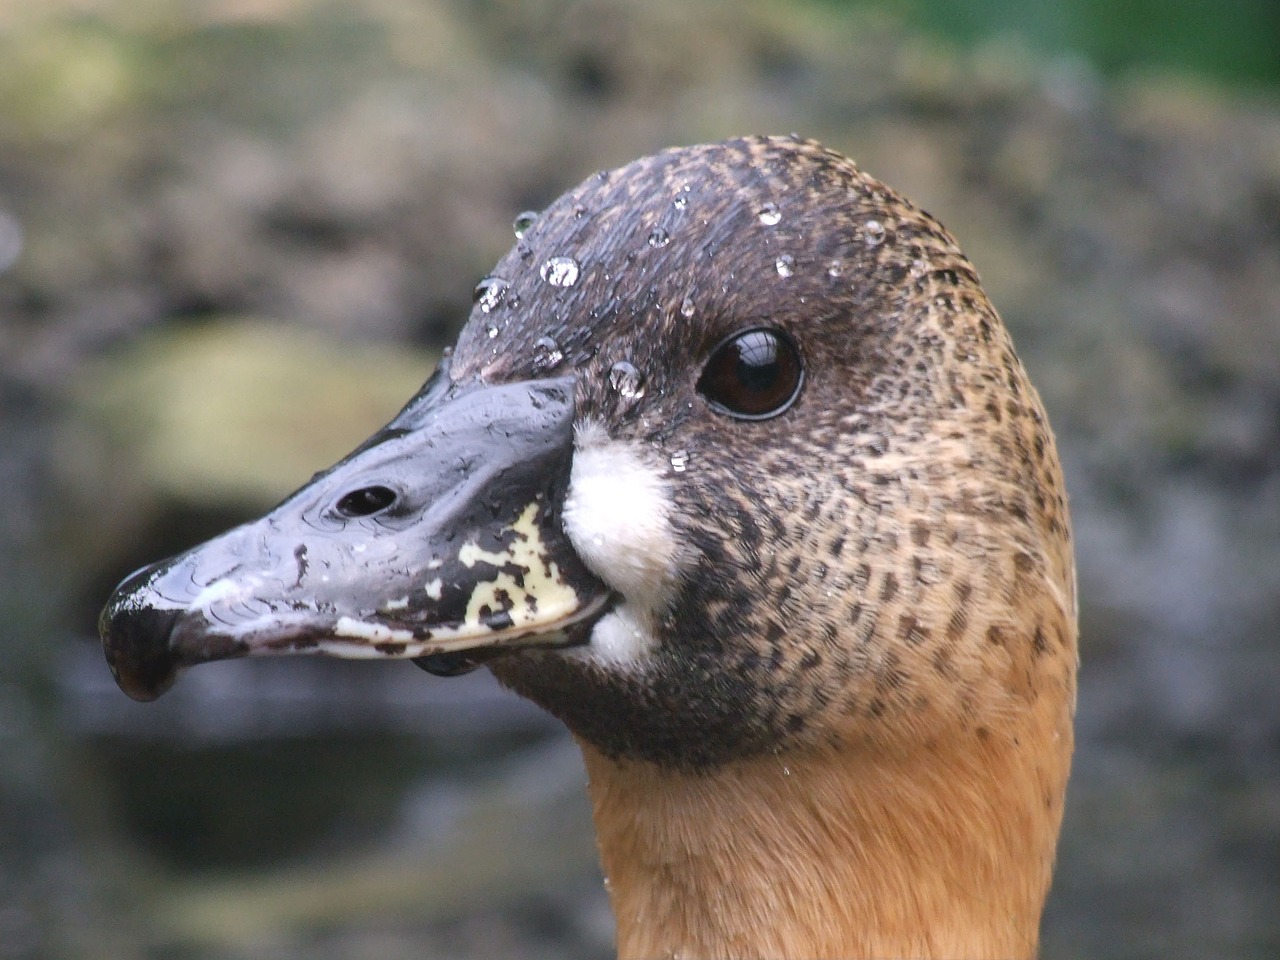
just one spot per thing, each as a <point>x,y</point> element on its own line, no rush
<point>440,534</point>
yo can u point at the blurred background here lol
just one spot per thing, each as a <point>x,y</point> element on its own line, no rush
<point>234,236</point>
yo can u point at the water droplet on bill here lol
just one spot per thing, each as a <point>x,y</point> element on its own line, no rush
<point>560,271</point>
<point>523,222</point>
<point>488,293</point>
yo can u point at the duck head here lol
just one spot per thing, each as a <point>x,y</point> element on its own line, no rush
<point>733,456</point>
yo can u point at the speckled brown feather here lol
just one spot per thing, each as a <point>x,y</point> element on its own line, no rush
<point>855,733</point>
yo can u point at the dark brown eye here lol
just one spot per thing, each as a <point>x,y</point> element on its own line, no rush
<point>753,375</point>
<point>366,501</point>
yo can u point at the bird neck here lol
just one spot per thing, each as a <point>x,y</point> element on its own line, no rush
<point>940,852</point>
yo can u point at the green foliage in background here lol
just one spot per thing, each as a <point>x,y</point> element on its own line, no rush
<point>1234,41</point>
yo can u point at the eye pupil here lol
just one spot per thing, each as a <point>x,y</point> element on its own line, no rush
<point>366,501</point>
<point>758,365</point>
<point>753,375</point>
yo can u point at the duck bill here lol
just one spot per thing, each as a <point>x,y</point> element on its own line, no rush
<point>440,537</point>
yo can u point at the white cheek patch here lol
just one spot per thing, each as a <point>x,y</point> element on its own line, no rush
<point>617,514</point>
<point>619,642</point>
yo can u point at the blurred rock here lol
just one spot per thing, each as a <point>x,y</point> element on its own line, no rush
<point>237,412</point>
<point>166,440</point>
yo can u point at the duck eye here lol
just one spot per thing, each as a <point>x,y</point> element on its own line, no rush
<point>365,502</point>
<point>753,375</point>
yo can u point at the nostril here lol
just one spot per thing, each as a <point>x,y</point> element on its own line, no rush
<point>366,501</point>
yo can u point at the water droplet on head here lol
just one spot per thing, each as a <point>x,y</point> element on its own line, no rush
<point>769,214</point>
<point>523,222</point>
<point>873,233</point>
<point>579,211</point>
<point>560,271</point>
<point>918,268</point>
<point>488,293</point>
<point>785,265</point>
<point>835,268</point>
<point>547,353</point>
<point>680,461</point>
<point>626,380</point>
<point>686,307</point>
<point>659,237</point>
<point>680,202</point>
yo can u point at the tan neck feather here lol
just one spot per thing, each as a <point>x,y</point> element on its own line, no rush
<point>941,851</point>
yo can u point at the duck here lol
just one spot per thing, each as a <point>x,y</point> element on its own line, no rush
<point>733,469</point>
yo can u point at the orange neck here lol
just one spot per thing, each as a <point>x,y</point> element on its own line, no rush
<point>925,852</point>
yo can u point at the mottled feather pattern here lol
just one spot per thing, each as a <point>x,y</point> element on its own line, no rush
<point>865,680</point>
<point>874,520</point>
